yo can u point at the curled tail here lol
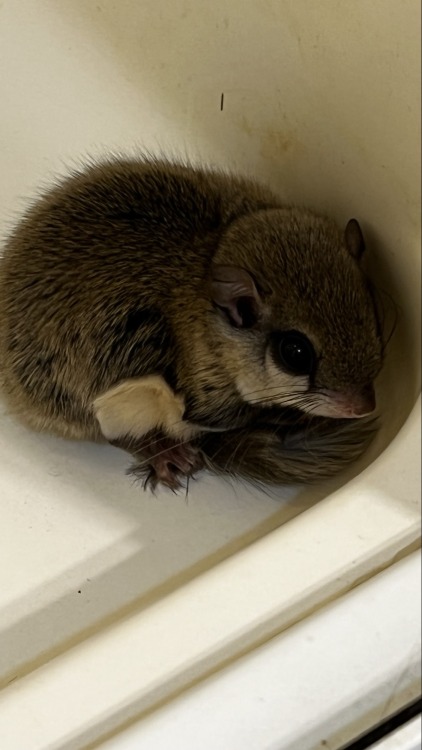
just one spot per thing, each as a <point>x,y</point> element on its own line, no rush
<point>290,453</point>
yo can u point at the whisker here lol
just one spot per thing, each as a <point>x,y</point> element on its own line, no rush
<point>272,391</point>
<point>132,441</point>
<point>232,456</point>
<point>148,460</point>
<point>282,399</point>
<point>380,294</point>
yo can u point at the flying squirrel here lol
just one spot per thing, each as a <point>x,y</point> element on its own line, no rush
<point>191,318</point>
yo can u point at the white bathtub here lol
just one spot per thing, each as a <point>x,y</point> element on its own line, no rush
<point>111,601</point>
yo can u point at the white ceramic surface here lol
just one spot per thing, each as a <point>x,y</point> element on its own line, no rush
<point>323,683</point>
<point>321,100</point>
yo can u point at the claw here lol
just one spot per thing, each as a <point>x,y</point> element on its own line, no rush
<point>169,463</point>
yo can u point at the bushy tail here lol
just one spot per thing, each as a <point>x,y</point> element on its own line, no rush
<point>288,454</point>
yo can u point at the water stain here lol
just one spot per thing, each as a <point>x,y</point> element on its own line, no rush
<point>278,142</point>
<point>246,127</point>
<point>273,141</point>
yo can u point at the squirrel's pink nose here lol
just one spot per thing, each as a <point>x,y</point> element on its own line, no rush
<point>352,403</point>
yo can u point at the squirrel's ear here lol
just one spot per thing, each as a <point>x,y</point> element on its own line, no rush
<point>354,239</point>
<point>233,290</point>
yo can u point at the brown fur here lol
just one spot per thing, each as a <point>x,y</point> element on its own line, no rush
<point>107,279</point>
<point>304,452</point>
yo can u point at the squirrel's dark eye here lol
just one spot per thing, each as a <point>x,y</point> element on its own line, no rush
<point>296,353</point>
